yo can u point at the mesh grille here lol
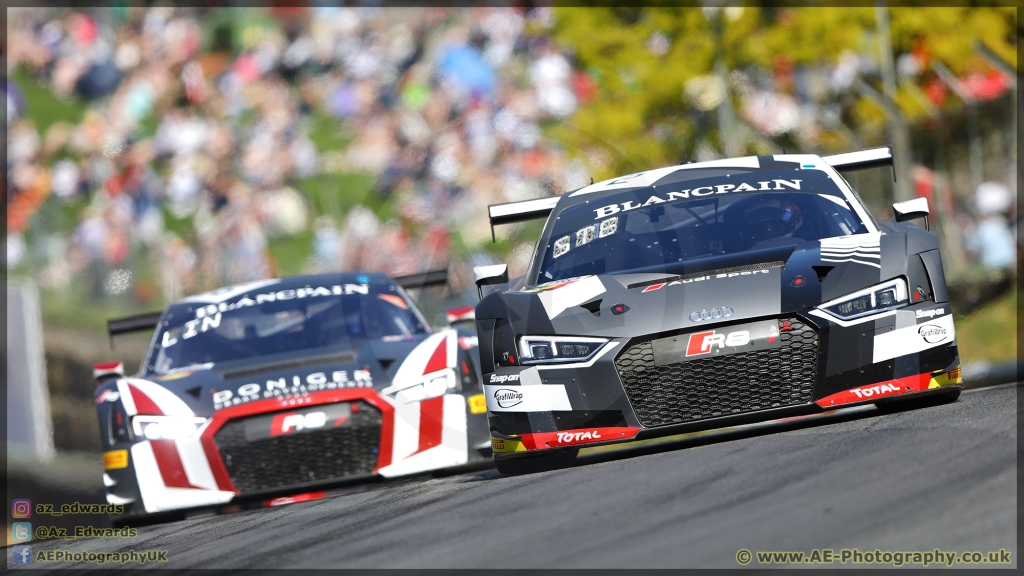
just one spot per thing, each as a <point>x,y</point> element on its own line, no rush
<point>720,385</point>
<point>329,454</point>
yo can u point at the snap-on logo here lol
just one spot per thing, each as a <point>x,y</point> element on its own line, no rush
<point>508,398</point>
<point>931,313</point>
<point>704,342</point>
<point>501,378</point>
<point>931,333</point>
<point>578,436</point>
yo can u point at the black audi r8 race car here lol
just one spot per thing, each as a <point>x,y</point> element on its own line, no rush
<point>281,386</point>
<point>706,295</point>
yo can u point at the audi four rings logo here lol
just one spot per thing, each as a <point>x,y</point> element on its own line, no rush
<point>713,314</point>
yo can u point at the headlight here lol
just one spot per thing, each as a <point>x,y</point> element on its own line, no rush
<point>435,384</point>
<point>165,427</point>
<point>885,296</point>
<point>553,349</point>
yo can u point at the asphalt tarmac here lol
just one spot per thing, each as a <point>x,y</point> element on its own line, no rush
<point>939,477</point>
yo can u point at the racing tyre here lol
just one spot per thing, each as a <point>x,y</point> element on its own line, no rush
<point>533,464</point>
<point>946,397</point>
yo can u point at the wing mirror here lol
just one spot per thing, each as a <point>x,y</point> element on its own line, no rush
<point>911,209</point>
<point>486,275</point>
<point>107,370</point>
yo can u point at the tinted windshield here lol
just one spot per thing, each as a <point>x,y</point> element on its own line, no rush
<point>653,228</point>
<point>284,321</point>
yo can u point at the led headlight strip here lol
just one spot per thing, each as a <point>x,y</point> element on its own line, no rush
<point>556,349</point>
<point>888,295</point>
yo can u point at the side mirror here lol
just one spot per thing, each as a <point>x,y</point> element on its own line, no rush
<point>106,370</point>
<point>485,275</point>
<point>911,209</point>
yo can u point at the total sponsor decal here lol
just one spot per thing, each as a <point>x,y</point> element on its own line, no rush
<point>294,386</point>
<point>543,440</point>
<point>776,184</point>
<point>705,277</point>
<point>878,390</point>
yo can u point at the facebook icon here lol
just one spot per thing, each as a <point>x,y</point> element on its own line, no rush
<point>21,555</point>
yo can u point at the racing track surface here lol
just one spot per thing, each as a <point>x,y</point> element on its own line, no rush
<point>941,477</point>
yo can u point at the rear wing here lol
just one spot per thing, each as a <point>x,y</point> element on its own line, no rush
<point>512,212</point>
<point>862,160</point>
<point>431,278</point>
<point>138,323</point>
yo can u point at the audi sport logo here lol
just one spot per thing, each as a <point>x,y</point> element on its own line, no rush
<point>578,436</point>
<point>704,342</point>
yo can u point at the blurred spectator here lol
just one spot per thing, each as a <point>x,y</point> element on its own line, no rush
<point>992,239</point>
<point>444,108</point>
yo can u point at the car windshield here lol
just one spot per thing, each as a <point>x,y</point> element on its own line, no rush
<point>654,228</point>
<point>309,319</point>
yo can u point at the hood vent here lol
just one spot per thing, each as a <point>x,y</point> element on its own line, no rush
<point>691,275</point>
<point>194,392</point>
<point>288,364</point>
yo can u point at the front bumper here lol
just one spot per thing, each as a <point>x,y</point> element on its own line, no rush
<point>221,463</point>
<point>628,394</point>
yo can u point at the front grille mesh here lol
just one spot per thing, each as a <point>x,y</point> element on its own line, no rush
<point>720,385</point>
<point>295,459</point>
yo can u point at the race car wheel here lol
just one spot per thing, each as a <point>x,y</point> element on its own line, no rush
<point>533,464</point>
<point>938,399</point>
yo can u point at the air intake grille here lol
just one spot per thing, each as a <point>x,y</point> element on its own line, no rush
<point>289,460</point>
<point>720,385</point>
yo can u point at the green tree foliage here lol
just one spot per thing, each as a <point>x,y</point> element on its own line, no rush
<point>641,116</point>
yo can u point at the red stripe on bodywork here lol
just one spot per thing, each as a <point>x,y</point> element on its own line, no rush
<point>169,463</point>
<point>542,440</point>
<point>144,404</point>
<point>871,392</point>
<point>220,417</point>
<point>296,498</point>
<point>439,360</point>
<point>431,423</point>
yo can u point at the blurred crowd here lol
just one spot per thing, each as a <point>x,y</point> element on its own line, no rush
<point>187,158</point>
<point>200,126</point>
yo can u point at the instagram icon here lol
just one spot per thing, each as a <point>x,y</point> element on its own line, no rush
<point>21,508</point>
